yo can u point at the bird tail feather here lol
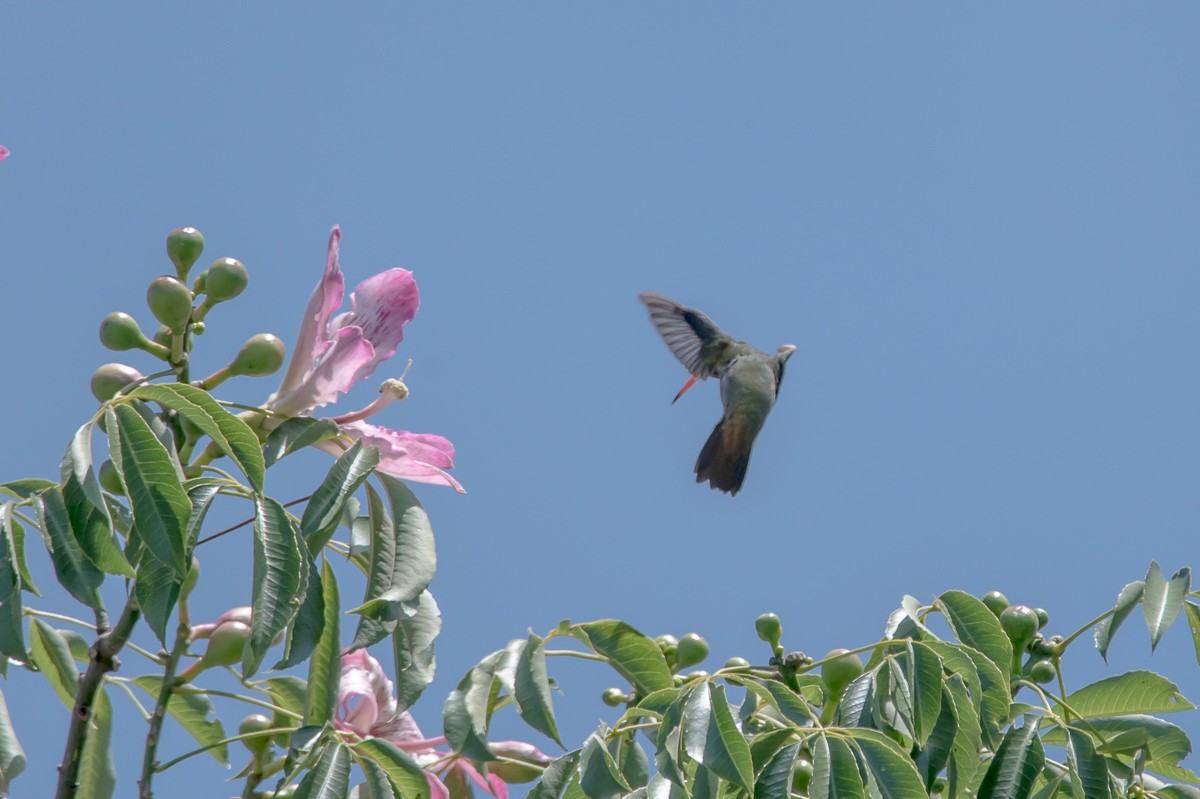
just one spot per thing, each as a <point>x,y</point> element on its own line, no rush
<point>724,458</point>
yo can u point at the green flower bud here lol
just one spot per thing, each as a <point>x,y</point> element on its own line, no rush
<point>198,328</point>
<point>996,602</point>
<point>261,355</point>
<point>184,245</point>
<point>111,378</point>
<point>802,773</point>
<point>698,674</point>
<point>190,580</point>
<point>110,480</point>
<point>284,723</point>
<point>171,302</point>
<point>199,282</point>
<point>692,649</point>
<point>255,723</point>
<point>1043,617</point>
<point>1040,670</point>
<point>225,646</point>
<point>119,331</point>
<point>163,336</point>
<point>226,279</point>
<point>1020,625</point>
<point>837,674</point>
<point>613,697</point>
<point>737,663</point>
<point>769,628</point>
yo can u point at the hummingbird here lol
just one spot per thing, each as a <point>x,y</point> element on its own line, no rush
<point>749,378</point>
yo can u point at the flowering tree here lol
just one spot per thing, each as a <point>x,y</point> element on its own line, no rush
<point>961,697</point>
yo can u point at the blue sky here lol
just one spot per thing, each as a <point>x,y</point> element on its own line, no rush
<point>977,223</point>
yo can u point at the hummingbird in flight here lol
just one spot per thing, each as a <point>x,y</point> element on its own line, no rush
<point>749,378</point>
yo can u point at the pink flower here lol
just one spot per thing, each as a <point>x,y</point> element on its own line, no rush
<point>332,353</point>
<point>3,152</point>
<point>367,708</point>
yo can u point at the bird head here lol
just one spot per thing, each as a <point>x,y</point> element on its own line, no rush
<point>784,352</point>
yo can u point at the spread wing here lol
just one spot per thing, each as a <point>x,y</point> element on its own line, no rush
<point>691,336</point>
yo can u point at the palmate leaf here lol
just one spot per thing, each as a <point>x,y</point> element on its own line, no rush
<point>890,772</point>
<point>711,736</point>
<point>775,779</point>
<point>636,657</point>
<point>12,629</point>
<point>1127,600</point>
<point>330,778</point>
<point>976,626</point>
<point>835,770</point>
<point>401,769</point>
<point>87,509</point>
<point>75,571</point>
<point>280,579</point>
<point>296,434</point>
<point>1089,770</point>
<point>532,689</point>
<point>413,645</point>
<point>1124,694</point>
<point>1163,599</point>
<point>325,666</point>
<point>150,475</point>
<point>194,712</point>
<point>324,508</point>
<point>230,434</point>
<point>1016,765</point>
<point>12,756</point>
<point>467,711</point>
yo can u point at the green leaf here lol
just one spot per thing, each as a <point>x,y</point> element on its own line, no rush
<point>402,770</point>
<point>97,776</point>
<point>968,737</point>
<point>16,532</point>
<point>858,701</point>
<point>1166,743</point>
<point>988,686</point>
<point>636,657</point>
<point>1017,764</point>
<point>532,695</point>
<point>12,627</point>
<point>556,776</point>
<point>1130,595</point>
<point>230,434</point>
<point>26,487</point>
<point>50,652</point>
<point>330,778</point>
<point>923,668</point>
<point>304,631</point>
<point>598,773</point>
<point>835,770</point>
<point>87,509</point>
<point>12,756</point>
<point>324,509</point>
<point>157,589</point>
<point>711,736</point>
<point>403,559</point>
<point>466,713</point>
<point>1163,599</point>
<point>194,712</point>
<point>775,779</point>
<point>376,784</point>
<point>1089,771</point>
<point>935,752</point>
<point>977,627</point>
<point>1132,692</point>
<point>280,576</point>
<point>156,496</point>
<point>631,759</point>
<point>296,434</point>
<point>74,570</point>
<point>890,772</point>
<point>290,693</point>
<point>325,667</point>
<point>413,645</point>
<point>765,746</point>
<point>1193,617</point>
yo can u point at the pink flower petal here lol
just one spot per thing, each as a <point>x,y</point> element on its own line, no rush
<point>324,301</point>
<point>381,306</point>
<point>332,374</point>
<point>437,790</point>
<point>492,784</point>
<point>3,152</point>
<point>403,454</point>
